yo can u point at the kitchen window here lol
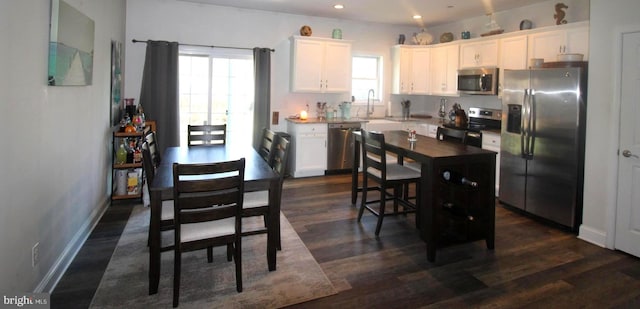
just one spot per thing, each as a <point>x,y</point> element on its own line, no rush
<point>366,74</point>
<point>216,86</point>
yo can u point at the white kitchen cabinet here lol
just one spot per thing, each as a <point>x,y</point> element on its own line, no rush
<point>320,65</point>
<point>479,54</point>
<point>512,56</point>
<point>410,69</point>
<point>308,155</point>
<point>444,70</point>
<point>491,141</point>
<point>427,129</point>
<point>566,39</point>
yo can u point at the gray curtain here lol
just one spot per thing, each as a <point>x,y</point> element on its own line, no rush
<point>159,93</point>
<point>262,101</point>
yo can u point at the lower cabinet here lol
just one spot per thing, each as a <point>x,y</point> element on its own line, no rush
<point>491,141</point>
<point>308,155</point>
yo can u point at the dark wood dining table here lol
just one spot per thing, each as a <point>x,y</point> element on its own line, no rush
<point>258,176</point>
<point>436,156</point>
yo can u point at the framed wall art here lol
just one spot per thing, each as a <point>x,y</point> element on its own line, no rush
<point>70,46</point>
<point>116,82</point>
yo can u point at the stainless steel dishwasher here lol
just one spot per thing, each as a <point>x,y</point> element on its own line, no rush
<point>340,147</point>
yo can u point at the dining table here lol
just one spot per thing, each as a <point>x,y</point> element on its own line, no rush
<point>258,176</point>
<point>474,216</point>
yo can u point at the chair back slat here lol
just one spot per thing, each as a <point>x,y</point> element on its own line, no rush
<point>280,156</point>
<point>374,154</point>
<point>267,144</point>
<point>205,192</point>
<point>448,134</point>
<point>206,135</point>
<point>147,163</point>
<point>154,149</point>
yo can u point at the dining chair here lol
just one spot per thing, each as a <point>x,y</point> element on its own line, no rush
<point>152,143</point>
<point>208,212</point>
<point>257,203</point>
<point>206,135</point>
<point>166,209</point>
<point>266,145</point>
<point>387,175</point>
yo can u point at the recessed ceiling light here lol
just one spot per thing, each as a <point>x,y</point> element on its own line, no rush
<point>338,6</point>
<point>417,16</point>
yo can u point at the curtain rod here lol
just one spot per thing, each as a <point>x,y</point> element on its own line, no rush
<point>210,46</point>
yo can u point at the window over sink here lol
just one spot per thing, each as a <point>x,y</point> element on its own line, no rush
<point>366,73</point>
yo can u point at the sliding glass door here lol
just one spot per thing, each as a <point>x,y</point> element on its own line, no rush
<point>216,86</point>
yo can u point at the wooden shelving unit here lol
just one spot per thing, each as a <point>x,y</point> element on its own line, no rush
<point>137,167</point>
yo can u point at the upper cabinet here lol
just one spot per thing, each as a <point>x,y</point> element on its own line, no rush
<point>320,65</point>
<point>512,56</point>
<point>565,40</point>
<point>443,73</point>
<point>479,54</point>
<point>410,69</point>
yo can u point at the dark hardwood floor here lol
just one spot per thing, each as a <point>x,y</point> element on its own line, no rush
<point>533,265</point>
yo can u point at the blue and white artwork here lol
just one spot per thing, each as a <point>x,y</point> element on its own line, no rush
<point>70,46</point>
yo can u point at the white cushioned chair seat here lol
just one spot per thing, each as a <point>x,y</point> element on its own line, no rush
<point>210,229</point>
<point>416,166</point>
<point>167,210</point>
<point>255,199</point>
<point>396,172</point>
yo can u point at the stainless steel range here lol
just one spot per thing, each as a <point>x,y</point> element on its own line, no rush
<point>479,119</point>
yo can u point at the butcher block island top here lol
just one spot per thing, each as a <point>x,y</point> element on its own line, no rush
<point>449,212</point>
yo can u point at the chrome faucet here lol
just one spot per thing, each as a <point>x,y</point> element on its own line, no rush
<point>370,95</point>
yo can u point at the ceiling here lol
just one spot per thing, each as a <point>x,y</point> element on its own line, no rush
<point>396,12</point>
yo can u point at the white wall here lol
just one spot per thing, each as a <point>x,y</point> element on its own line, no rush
<point>55,157</point>
<point>214,25</point>
<point>608,18</point>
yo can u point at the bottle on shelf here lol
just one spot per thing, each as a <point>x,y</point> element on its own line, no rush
<point>121,153</point>
<point>454,177</point>
<point>457,211</point>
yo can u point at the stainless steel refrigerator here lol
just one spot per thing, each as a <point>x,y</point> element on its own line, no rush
<point>542,142</point>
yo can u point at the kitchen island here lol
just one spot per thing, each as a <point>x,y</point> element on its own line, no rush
<point>449,212</point>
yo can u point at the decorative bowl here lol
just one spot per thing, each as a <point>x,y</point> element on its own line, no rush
<point>446,37</point>
<point>570,57</point>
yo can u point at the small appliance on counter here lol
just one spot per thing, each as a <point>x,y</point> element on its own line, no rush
<point>345,110</point>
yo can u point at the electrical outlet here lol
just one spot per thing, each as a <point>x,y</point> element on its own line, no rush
<point>35,254</point>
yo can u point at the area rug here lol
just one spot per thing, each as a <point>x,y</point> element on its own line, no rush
<point>298,277</point>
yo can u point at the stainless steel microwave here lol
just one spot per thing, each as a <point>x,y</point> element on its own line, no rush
<point>478,81</point>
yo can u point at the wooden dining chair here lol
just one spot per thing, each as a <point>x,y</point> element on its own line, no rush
<point>387,176</point>
<point>448,134</point>
<point>208,201</point>
<point>166,209</point>
<point>267,144</point>
<point>257,203</point>
<point>154,149</point>
<point>206,135</point>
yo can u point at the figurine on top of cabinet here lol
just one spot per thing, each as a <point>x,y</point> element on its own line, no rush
<point>559,15</point>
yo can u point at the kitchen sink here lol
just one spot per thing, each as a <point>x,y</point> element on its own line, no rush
<point>381,121</point>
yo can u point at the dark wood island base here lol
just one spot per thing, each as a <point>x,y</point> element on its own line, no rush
<point>451,210</point>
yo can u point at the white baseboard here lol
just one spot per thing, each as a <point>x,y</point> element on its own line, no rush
<point>592,235</point>
<point>61,264</point>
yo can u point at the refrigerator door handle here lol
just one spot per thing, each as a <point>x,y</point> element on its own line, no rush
<point>532,124</point>
<point>524,139</point>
